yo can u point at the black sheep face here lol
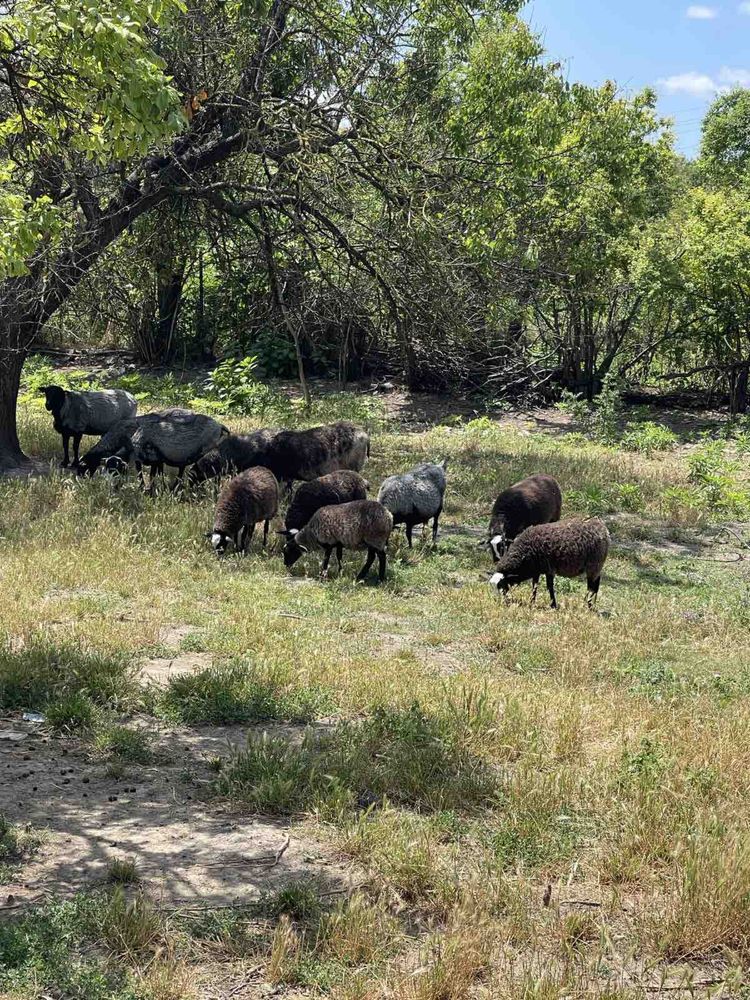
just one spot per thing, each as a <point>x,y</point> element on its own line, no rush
<point>504,581</point>
<point>498,546</point>
<point>219,542</point>
<point>55,397</point>
<point>88,465</point>
<point>293,551</point>
<point>116,466</point>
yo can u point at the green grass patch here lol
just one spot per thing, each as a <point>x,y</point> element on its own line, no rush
<point>237,693</point>
<point>406,756</point>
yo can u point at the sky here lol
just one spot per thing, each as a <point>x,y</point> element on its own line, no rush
<point>688,53</point>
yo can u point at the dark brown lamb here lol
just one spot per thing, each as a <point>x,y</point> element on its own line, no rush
<point>535,500</point>
<point>250,497</point>
<point>361,524</point>
<point>564,548</point>
<point>335,488</point>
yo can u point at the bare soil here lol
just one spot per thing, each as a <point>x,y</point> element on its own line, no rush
<point>189,848</point>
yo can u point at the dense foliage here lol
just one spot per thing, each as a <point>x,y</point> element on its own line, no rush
<point>360,188</point>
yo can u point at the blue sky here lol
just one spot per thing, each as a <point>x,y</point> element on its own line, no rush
<point>687,52</point>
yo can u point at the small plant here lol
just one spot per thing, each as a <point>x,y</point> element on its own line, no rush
<point>234,385</point>
<point>17,845</point>
<point>648,437</point>
<point>122,871</point>
<point>120,743</point>
<point>239,692</point>
<point>75,713</point>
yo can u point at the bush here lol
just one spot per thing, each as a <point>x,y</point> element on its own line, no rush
<point>234,385</point>
<point>648,437</point>
<point>43,674</point>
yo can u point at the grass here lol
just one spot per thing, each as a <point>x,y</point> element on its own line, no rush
<point>460,753</point>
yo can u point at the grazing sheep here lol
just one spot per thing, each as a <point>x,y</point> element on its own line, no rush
<point>315,452</point>
<point>563,548</point>
<point>235,453</point>
<point>361,524</point>
<point>250,497</point>
<point>335,488</point>
<point>78,413</point>
<point>416,496</point>
<point>535,500</point>
<point>173,437</point>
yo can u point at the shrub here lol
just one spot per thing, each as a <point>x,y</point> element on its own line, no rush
<point>234,385</point>
<point>648,437</point>
<point>406,756</point>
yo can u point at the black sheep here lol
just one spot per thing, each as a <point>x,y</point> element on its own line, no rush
<point>335,488</point>
<point>565,548</point>
<point>535,500</point>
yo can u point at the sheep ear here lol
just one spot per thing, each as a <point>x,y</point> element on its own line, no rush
<point>303,548</point>
<point>483,543</point>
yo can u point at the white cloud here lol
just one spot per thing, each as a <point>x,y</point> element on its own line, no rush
<point>696,84</point>
<point>744,8</point>
<point>703,85</point>
<point>698,12</point>
<point>729,78</point>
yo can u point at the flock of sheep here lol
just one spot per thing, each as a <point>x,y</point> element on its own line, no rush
<point>330,509</point>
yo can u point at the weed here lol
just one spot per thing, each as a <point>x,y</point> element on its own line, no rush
<point>121,743</point>
<point>239,692</point>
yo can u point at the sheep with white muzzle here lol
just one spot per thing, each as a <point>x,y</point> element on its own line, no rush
<point>534,500</point>
<point>359,525</point>
<point>562,548</point>
<point>244,501</point>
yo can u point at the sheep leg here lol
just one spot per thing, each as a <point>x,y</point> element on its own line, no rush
<point>249,531</point>
<point>339,555</point>
<point>179,483</point>
<point>326,559</point>
<point>266,525</point>
<point>435,525</point>
<point>76,447</point>
<point>551,588</point>
<point>409,529</point>
<point>593,590</point>
<point>381,565</point>
<point>139,470</point>
<point>534,588</point>
<point>66,446</point>
<point>368,563</point>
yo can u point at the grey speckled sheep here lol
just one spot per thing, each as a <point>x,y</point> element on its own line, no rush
<point>535,500</point>
<point>250,497</point>
<point>172,437</point>
<point>78,413</point>
<point>564,548</point>
<point>361,524</point>
<point>337,487</point>
<point>234,454</point>
<point>416,496</point>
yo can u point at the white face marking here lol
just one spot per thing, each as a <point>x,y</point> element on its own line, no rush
<point>216,539</point>
<point>496,579</point>
<point>293,532</point>
<point>497,545</point>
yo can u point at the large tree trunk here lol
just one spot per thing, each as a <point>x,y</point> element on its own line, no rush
<point>18,329</point>
<point>12,457</point>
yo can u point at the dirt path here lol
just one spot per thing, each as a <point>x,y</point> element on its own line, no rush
<point>188,849</point>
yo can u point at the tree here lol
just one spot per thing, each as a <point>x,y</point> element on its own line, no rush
<point>725,142</point>
<point>698,261</point>
<point>287,124</point>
